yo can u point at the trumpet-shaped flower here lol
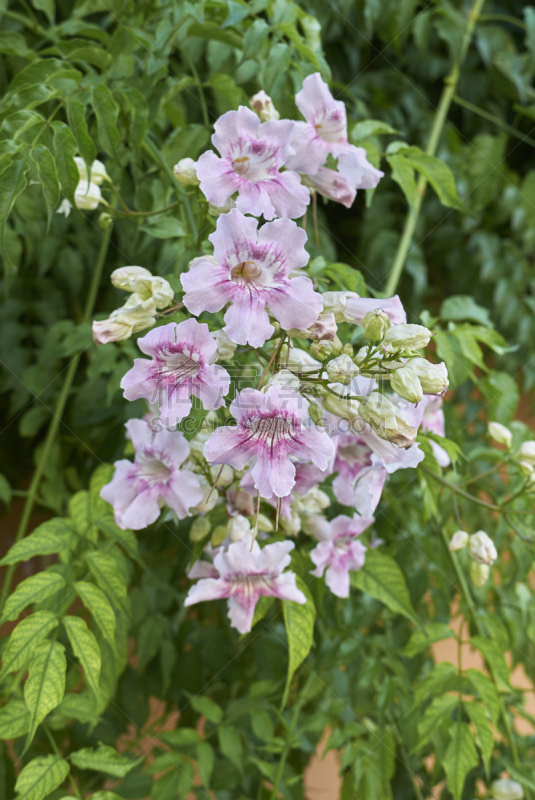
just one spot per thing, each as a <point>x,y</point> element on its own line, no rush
<point>271,428</point>
<point>180,366</point>
<point>138,490</point>
<point>338,551</point>
<point>252,154</point>
<point>252,273</point>
<point>244,574</point>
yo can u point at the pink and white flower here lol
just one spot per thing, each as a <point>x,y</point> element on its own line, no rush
<point>433,421</point>
<point>270,428</point>
<point>139,490</point>
<point>360,481</point>
<point>181,365</point>
<point>244,574</point>
<point>251,271</point>
<point>338,551</point>
<point>252,154</point>
<point>353,172</point>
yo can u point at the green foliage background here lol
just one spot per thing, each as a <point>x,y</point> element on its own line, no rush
<point>139,85</point>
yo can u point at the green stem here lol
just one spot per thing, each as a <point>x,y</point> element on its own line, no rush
<point>502,18</point>
<point>153,151</point>
<point>285,752</point>
<point>494,119</point>
<point>450,87</point>
<point>454,488</point>
<point>56,420</point>
<point>128,213</point>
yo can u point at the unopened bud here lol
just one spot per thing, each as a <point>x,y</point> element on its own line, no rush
<point>387,420</point>
<point>219,534</point>
<point>209,497</point>
<point>342,370</point>
<point>186,172</point>
<point>225,346</point>
<point>216,211</point>
<point>458,541</point>
<point>433,377</point>
<point>285,379</point>
<point>238,527</point>
<point>105,221</point>
<point>479,573</point>
<point>264,524</point>
<point>482,548</point>
<point>525,468</point>
<point>335,303</point>
<point>375,324</point>
<point>225,478</point>
<point>199,529</point>
<point>299,361</point>
<point>407,337</point>
<point>322,349</point>
<point>348,350</point>
<point>87,196</point>
<point>526,452</point>
<point>122,323</point>
<point>406,383</point>
<point>506,789</point>
<point>262,104</point>
<point>144,285</point>
<point>500,434</point>
<point>341,406</point>
<point>324,328</point>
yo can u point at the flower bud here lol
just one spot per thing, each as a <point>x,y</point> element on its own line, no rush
<point>458,541</point>
<point>124,322</point>
<point>335,303</point>
<point>322,349</point>
<point>375,324</point>
<point>482,548</point>
<point>341,406</point>
<point>347,349</point>
<point>479,573</point>
<point>209,497</point>
<point>525,468</point>
<point>145,285</point>
<point>407,337</point>
<point>226,477</point>
<point>186,172</point>
<point>313,502</point>
<point>386,420</point>
<point>433,377</point>
<point>264,524</point>
<point>105,221</point>
<point>262,104</point>
<point>284,378</point>
<point>225,346</point>
<point>87,196</point>
<point>219,534</point>
<point>199,529</point>
<point>216,211</point>
<point>406,383</point>
<point>342,370</point>
<point>526,452</point>
<point>238,527</point>
<point>291,526</point>
<point>500,434</point>
<point>506,789</point>
<point>299,361</point>
<point>98,171</point>
<point>324,328</point>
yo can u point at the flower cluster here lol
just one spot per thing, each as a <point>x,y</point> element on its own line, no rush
<point>317,434</point>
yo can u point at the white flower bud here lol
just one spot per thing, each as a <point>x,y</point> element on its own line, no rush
<point>407,337</point>
<point>375,324</point>
<point>458,541</point>
<point>342,370</point>
<point>209,498</point>
<point>335,303</point>
<point>291,526</point>
<point>238,527</point>
<point>526,452</point>
<point>264,524</point>
<point>322,349</point>
<point>122,323</point>
<point>499,433</point>
<point>386,420</point>
<point>199,529</point>
<point>283,378</point>
<point>506,789</point>
<point>299,361</point>
<point>341,406</point>
<point>216,211</point>
<point>433,377</point>
<point>87,196</point>
<point>145,285</point>
<point>525,468</point>
<point>262,104</point>
<point>482,548</point>
<point>98,171</point>
<point>186,172</point>
<point>406,383</point>
<point>324,328</point>
<point>225,346</point>
<point>479,573</point>
<point>313,502</point>
<point>226,477</point>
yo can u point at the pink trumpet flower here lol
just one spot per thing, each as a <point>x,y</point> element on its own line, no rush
<point>338,551</point>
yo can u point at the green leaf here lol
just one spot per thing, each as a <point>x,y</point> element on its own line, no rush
<point>458,308</point>
<point>48,7</point>
<point>14,720</point>
<point>108,576</point>
<point>48,175</point>
<point>181,737</point>
<point>437,173</point>
<point>449,349</point>
<point>80,511</point>
<point>205,762</point>
<point>40,777</point>
<point>107,112</point>
<point>502,395</point>
<point>262,607</point>
<point>100,607</point>
<point>484,736</point>
<point>403,175</point>
<point>522,773</point>
<point>33,590</point>
<point>45,685</point>
<point>486,690</point>
<point>104,759</point>
<point>424,638</point>
<point>211,30</point>
<point>206,706</point>
<point>461,756</point>
<point>5,490</point>
<point>43,71</point>
<point>370,127</point>
<point>165,228</point>
<point>65,147</point>
<point>346,278</point>
<point>86,649</point>
<point>12,183</point>
<point>299,622</point>
<point>101,476</point>
<point>381,578</point>
<point>77,122</point>
<point>231,745</point>
<point>438,710</point>
<point>493,655</point>
<point>25,638</point>
<point>435,682</point>
<point>49,538</point>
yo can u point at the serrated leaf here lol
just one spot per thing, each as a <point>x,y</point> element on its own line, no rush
<point>107,113</point>
<point>104,759</point>
<point>424,638</point>
<point>439,709</point>
<point>49,538</point>
<point>484,736</point>
<point>48,175</point>
<point>65,147</point>
<point>45,686</point>
<point>381,578</point>
<point>25,638</point>
<point>86,649</point>
<point>12,183</point>
<point>32,590</point>
<point>493,655</point>
<point>14,720</point>
<point>461,756</point>
<point>486,690</point>
<point>108,576</point>
<point>100,607</point>
<point>40,777</point>
<point>299,622</point>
